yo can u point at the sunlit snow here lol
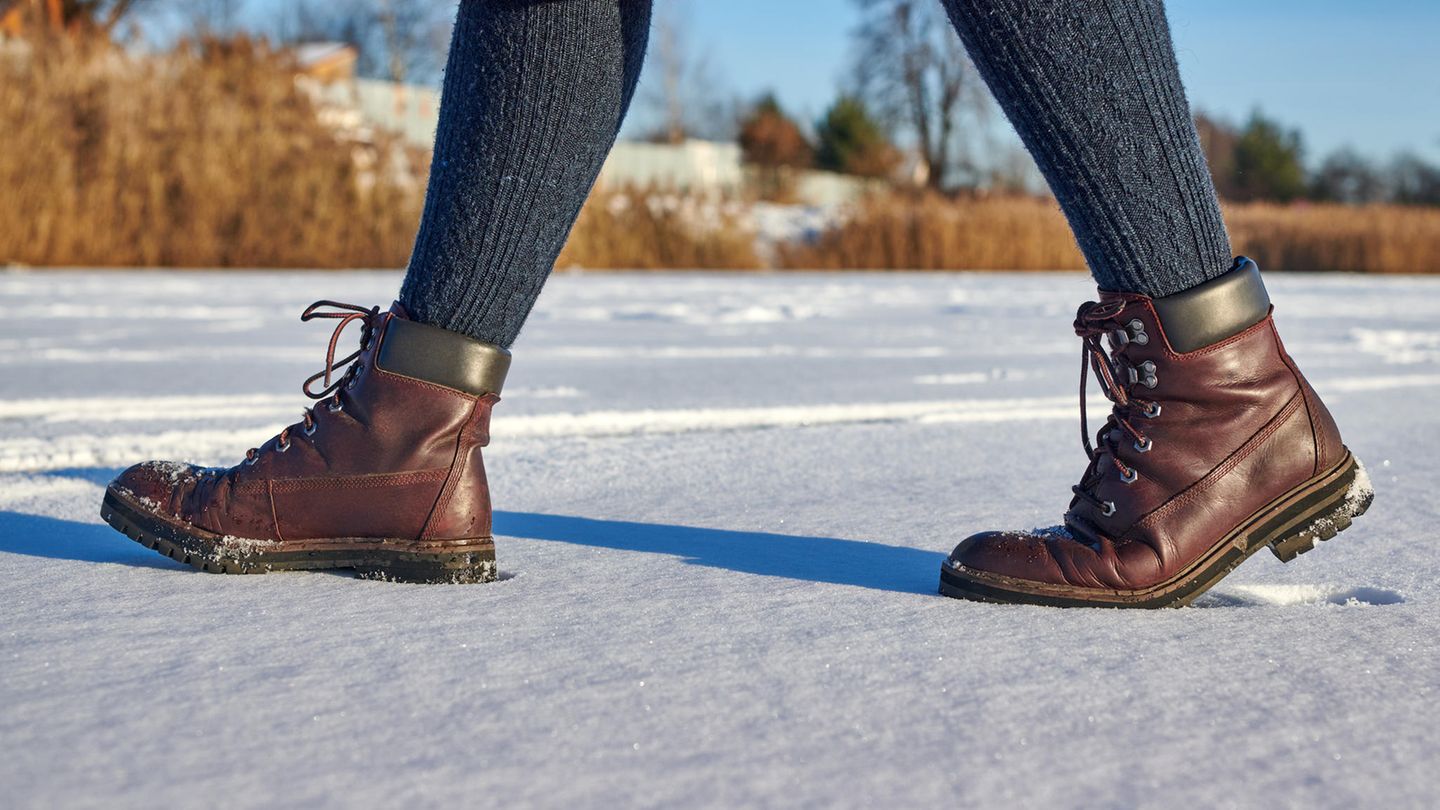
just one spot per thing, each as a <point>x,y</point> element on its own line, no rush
<point>723,501</point>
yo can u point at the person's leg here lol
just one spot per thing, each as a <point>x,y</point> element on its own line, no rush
<point>385,475</point>
<point>1216,446</point>
<point>534,96</point>
<point>1093,89</point>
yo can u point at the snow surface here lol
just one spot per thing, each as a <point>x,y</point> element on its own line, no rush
<point>724,503</point>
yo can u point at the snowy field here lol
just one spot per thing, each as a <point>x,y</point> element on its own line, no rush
<point>723,503</point>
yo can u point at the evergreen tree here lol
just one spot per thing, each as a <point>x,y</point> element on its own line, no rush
<point>1268,161</point>
<point>849,140</point>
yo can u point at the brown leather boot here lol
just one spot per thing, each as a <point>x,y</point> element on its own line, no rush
<point>384,475</point>
<point>1216,447</point>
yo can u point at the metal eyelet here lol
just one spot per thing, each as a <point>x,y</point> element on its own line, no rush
<point>1143,445</point>
<point>282,448</point>
<point>1147,370</point>
<point>1108,508</point>
<point>310,429</point>
<point>335,406</point>
<point>250,460</point>
<point>1129,476</point>
<point>1151,411</point>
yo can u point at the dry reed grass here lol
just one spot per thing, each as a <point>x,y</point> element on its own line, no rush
<point>1362,239</point>
<point>208,156</point>
<point>931,232</point>
<point>652,229</point>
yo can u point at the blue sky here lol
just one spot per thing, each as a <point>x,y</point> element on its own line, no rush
<point>1365,74</point>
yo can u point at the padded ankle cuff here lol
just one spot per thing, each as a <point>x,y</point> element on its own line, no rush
<point>1215,310</point>
<point>442,357</point>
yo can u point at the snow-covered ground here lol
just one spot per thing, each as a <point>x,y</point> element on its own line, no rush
<point>723,500</point>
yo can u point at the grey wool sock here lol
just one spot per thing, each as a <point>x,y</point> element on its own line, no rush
<point>534,94</point>
<point>1094,91</point>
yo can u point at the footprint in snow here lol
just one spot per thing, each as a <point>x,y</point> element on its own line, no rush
<point>1287,595</point>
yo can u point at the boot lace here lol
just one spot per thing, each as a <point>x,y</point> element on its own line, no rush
<point>1119,380</point>
<point>346,314</point>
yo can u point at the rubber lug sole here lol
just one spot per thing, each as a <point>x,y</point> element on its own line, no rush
<point>205,551</point>
<point>1289,526</point>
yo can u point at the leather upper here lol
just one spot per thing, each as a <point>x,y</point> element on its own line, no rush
<point>1237,427</point>
<point>388,456</point>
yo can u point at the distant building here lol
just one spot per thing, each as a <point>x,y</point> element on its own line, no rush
<point>327,62</point>
<point>696,166</point>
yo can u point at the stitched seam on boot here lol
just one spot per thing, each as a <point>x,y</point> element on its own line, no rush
<point>410,380</point>
<point>456,472</point>
<point>1195,490</point>
<point>1171,354</point>
<point>1317,441</point>
<point>347,482</point>
<point>274,513</point>
<point>418,382</point>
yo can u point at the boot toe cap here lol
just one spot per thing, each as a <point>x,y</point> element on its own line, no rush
<point>157,485</point>
<point>1018,555</point>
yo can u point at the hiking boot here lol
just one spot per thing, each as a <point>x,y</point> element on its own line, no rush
<point>382,475</point>
<point>1216,447</point>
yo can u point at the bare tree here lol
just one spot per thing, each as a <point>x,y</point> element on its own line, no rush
<point>414,34</point>
<point>213,17</point>
<point>669,63</point>
<point>682,91</point>
<point>1349,177</point>
<point>912,70</point>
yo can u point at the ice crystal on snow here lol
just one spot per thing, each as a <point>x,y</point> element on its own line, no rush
<point>239,547</point>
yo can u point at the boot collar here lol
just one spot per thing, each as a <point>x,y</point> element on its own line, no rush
<point>1209,313</point>
<point>439,356</point>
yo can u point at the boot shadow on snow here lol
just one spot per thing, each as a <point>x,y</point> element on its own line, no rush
<point>816,559</point>
<point>57,539</point>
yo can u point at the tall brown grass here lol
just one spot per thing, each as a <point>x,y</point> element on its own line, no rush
<point>211,156</point>
<point>1363,239</point>
<point>931,232</point>
<point>654,229</point>
<point>207,156</point>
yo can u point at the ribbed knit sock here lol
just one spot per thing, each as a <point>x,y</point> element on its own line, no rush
<point>1093,89</point>
<point>533,98</point>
